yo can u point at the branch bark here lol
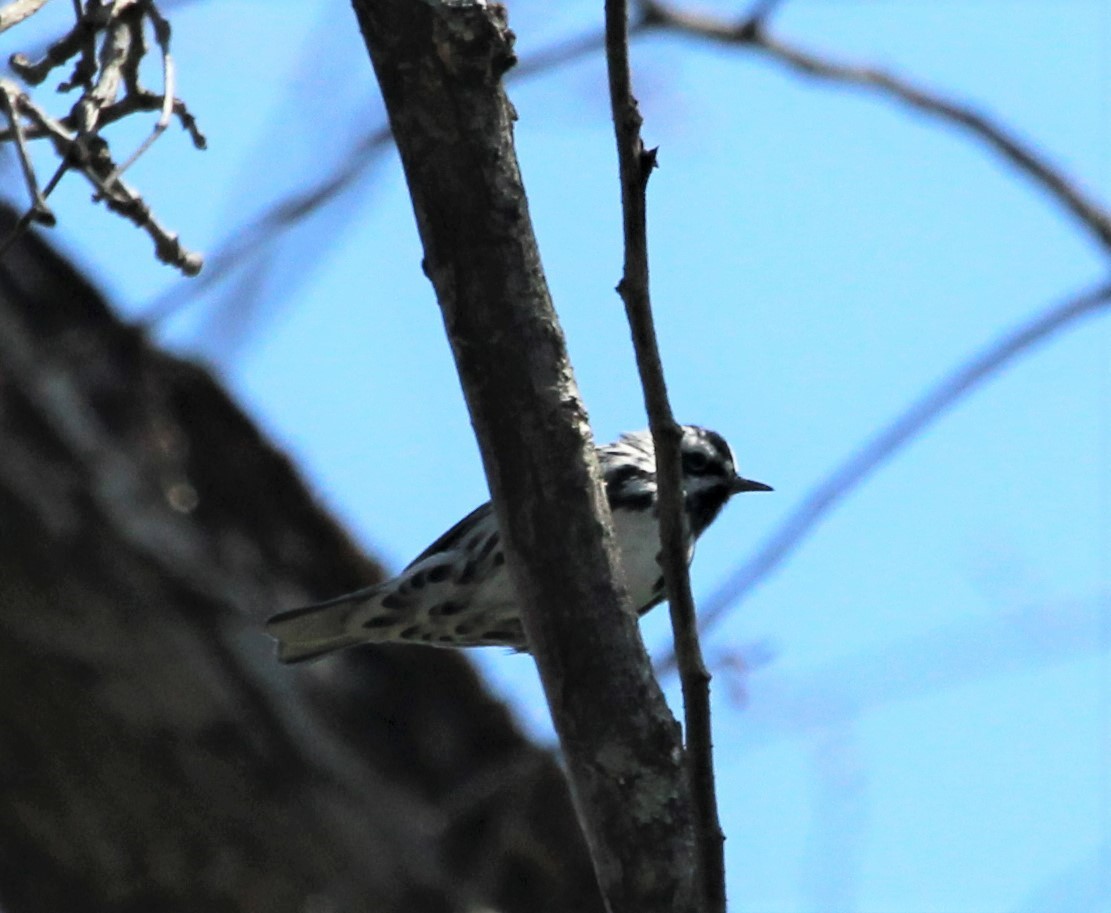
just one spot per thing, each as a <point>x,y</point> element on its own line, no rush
<point>440,66</point>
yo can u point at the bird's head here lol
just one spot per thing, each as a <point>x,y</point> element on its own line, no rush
<point>710,476</point>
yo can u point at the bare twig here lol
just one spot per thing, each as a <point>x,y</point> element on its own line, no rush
<point>117,56</point>
<point>18,10</point>
<point>143,100</point>
<point>636,164</point>
<point>73,42</point>
<point>751,33</point>
<point>162,36</point>
<point>249,238</point>
<point>112,90</point>
<point>38,212</point>
<point>850,474</point>
<point>92,160</point>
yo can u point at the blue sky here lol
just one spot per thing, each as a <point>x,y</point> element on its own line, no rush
<point>926,721</point>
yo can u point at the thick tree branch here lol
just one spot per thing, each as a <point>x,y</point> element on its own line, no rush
<point>440,66</point>
<point>635,165</point>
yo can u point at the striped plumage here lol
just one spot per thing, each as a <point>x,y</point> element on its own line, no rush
<point>457,592</point>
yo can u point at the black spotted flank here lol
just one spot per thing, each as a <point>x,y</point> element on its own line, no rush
<point>392,601</point>
<point>447,608</point>
<point>417,580</point>
<point>410,632</point>
<point>489,545</point>
<point>379,621</point>
<point>499,559</point>
<point>439,573</point>
<point>467,574</point>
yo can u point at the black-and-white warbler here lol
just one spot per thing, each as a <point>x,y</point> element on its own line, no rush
<point>457,593</point>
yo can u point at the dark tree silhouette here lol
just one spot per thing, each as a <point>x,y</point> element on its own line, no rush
<point>154,755</point>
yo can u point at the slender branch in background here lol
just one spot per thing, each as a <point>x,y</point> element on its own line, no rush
<point>751,33</point>
<point>850,474</point>
<point>746,33</point>
<point>636,164</point>
<point>250,242</point>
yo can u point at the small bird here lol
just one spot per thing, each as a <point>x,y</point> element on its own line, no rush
<point>457,592</point>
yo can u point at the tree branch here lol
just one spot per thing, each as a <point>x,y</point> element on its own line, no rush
<point>751,33</point>
<point>635,165</point>
<point>440,66</point>
<point>851,473</point>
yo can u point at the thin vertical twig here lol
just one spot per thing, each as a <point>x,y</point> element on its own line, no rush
<point>39,211</point>
<point>162,35</point>
<point>636,164</point>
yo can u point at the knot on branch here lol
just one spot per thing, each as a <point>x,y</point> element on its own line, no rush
<point>751,30</point>
<point>475,41</point>
<point>647,163</point>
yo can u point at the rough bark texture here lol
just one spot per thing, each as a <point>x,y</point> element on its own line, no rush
<point>440,66</point>
<point>153,756</point>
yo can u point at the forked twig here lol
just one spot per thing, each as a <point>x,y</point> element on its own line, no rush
<point>111,91</point>
<point>90,157</point>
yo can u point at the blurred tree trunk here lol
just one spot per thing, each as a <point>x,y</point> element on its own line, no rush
<point>153,755</point>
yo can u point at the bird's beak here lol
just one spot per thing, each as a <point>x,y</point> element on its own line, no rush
<point>741,484</point>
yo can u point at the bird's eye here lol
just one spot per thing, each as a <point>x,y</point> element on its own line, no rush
<point>695,462</point>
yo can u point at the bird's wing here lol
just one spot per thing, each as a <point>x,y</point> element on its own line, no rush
<point>454,536</point>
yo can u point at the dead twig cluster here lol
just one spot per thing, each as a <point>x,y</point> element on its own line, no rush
<point>107,46</point>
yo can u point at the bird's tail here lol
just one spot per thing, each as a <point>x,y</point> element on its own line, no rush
<point>317,630</point>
